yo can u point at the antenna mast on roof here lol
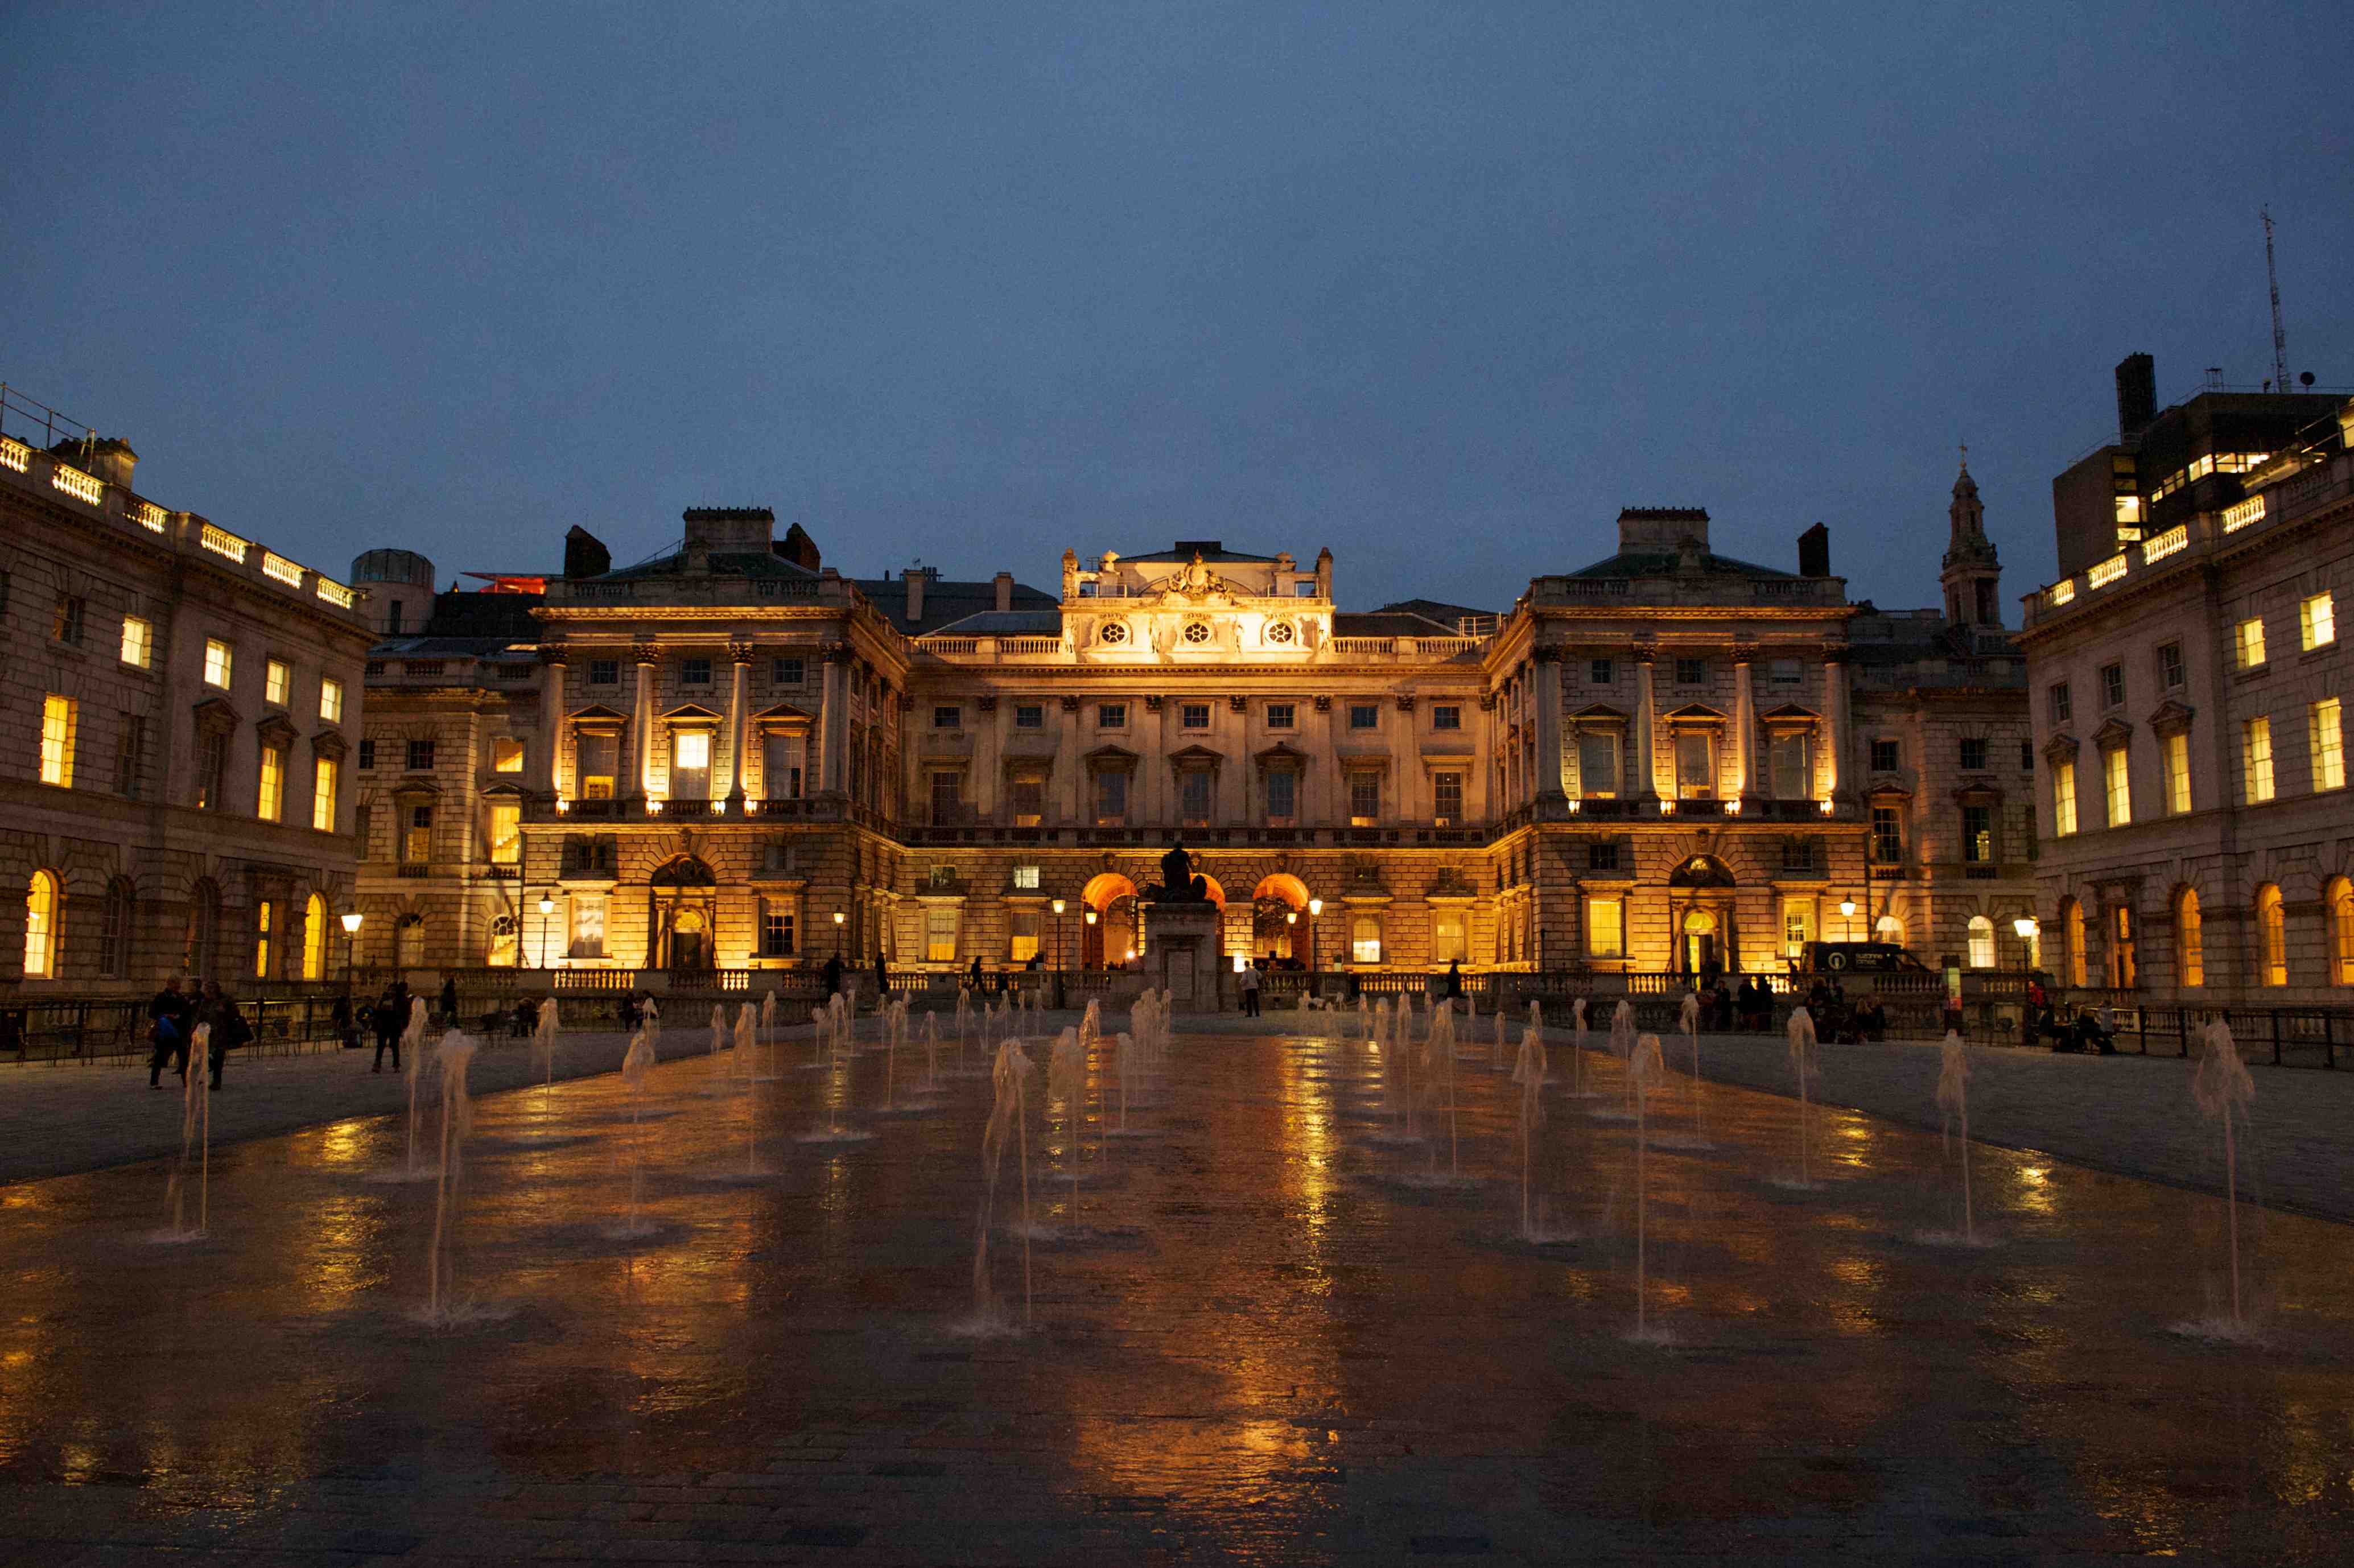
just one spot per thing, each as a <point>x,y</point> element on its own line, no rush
<point>2280,338</point>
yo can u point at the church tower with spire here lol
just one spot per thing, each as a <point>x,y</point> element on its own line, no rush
<point>1973,573</point>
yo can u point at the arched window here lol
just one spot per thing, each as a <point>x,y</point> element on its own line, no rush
<point>408,942</point>
<point>115,929</point>
<point>1981,942</point>
<point>265,937</point>
<point>1365,939</point>
<point>314,939</point>
<point>2190,940</point>
<point>2338,901</point>
<point>2124,972</point>
<point>204,929</point>
<point>2272,936</point>
<point>507,942</point>
<point>2071,942</point>
<point>41,898</point>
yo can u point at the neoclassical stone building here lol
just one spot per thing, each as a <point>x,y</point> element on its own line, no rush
<point>735,757</point>
<point>2190,711</point>
<point>173,759</point>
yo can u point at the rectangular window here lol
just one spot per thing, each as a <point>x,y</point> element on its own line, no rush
<point>212,769</point>
<point>1365,800</point>
<point>1029,715</point>
<point>1885,756</point>
<point>269,796</point>
<point>2118,785</point>
<point>367,756</point>
<point>417,840</point>
<point>588,940</point>
<point>1974,755</point>
<point>2325,731</point>
<point>131,756</point>
<point>2026,757</point>
<point>1306,589</point>
<point>939,934</point>
<point>65,626</point>
<point>277,681</point>
<point>265,916</point>
<point>1447,799</point>
<point>331,701</point>
<point>2251,637</point>
<point>1023,930</point>
<point>2064,798</point>
<point>1111,716</point>
<point>1365,716</point>
<point>604,672</point>
<point>776,929</point>
<point>1026,878</point>
<point>1447,716</point>
<point>2256,759</point>
<point>1601,672</point>
<point>944,799</point>
<point>1282,797</point>
<point>323,775</point>
<point>1791,759</point>
<point>420,757</point>
<point>1784,673</point>
<point>1978,834</point>
<point>2317,622</point>
<point>1887,834</point>
<point>1797,927</point>
<point>59,721</point>
<point>780,766</point>
<point>1692,672</point>
<point>1799,855</point>
<point>2176,749</point>
<point>1193,798</point>
<point>1605,931</point>
<point>1695,766</point>
<point>690,765</point>
<point>785,673</point>
<point>599,760</point>
<point>1111,798</point>
<point>506,754</point>
<point>1194,715</point>
<point>1597,764</point>
<point>1280,716</point>
<point>2169,666</point>
<point>221,663</point>
<point>947,717</point>
<point>1601,857</point>
<point>2112,685</point>
<point>2060,704</point>
<point>1029,798</point>
<point>138,641</point>
<point>507,832</point>
<point>1450,940</point>
<point>1365,939</point>
<point>695,672</point>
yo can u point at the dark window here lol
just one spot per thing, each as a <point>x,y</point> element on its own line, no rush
<point>947,718</point>
<point>2059,705</point>
<point>1280,716</point>
<point>1602,857</point>
<point>776,931</point>
<point>1193,798</point>
<point>1974,755</point>
<point>1029,715</point>
<point>212,760</point>
<point>1365,800</point>
<point>368,755</point>
<point>1447,799</point>
<point>2026,757</point>
<point>1886,756</point>
<point>1601,672</point>
<point>1365,716</point>
<point>1194,715</point>
<point>1887,834</point>
<point>1692,672</point>
<point>695,672</point>
<point>66,626</point>
<point>1798,854</point>
<point>2169,665</point>
<point>785,673</point>
<point>1978,834</point>
<point>604,672</point>
<point>130,755</point>
<point>114,930</point>
<point>1282,796</point>
<point>421,756</point>
<point>2112,685</point>
<point>1447,716</point>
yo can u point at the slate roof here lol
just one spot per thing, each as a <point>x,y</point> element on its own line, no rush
<point>464,624</point>
<point>1446,614</point>
<point>1389,623</point>
<point>1647,564</point>
<point>995,623</point>
<point>947,601</point>
<point>1184,550</point>
<point>721,564</point>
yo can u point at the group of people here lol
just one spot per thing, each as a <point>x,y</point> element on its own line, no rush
<point>173,1018</point>
<point>2090,1030</point>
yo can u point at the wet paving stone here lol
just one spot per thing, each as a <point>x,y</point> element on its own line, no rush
<point>1256,1334</point>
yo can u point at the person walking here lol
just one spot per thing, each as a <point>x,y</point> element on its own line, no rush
<point>345,1019</point>
<point>228,1026</point>
<point>168,1021</point>
<point>1250,988</point>
<point>833,976</point>
<point>387,1022</point>
<point>881,982</point>
<point>449,1001</point>
<point>1454,983</point>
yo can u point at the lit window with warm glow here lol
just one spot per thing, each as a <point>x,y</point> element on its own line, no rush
<point>270,799</point>
<point>2064,798</point>
<point>276,683</point>
<point>2317,621</point>
<point>507,832</point>
<point>2117,785</point>
<point>2326,733</point>
<point>322,794</point>
<point>2250,640</point>
<point>2256,759</point>
<point>57,724</point>
<point>265,916</point>
<point>506,754</point>
<point>2176,749</point>
<point>41,926</point>
<point>219,663</point>
<point>1365,939</point>
<point>2272,935</point>
<point>331,701</point>
<point>138,641</point>
<point>1606,928</point>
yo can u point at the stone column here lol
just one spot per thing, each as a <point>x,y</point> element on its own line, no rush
<point>1835,702</point>
<point>1068,783</point>
<point>834,726</point>
<point>1546,786</point>
<point>1229,736</point>
<point>741,653</point>
<point>551,724</point>
<point>1406,757</point>
<point>1479,779</point>
<point>1744,716</point>
<point>642,721</point>
<point>988,753</point>
<point>1323,767</point>
<point>1646,751</point>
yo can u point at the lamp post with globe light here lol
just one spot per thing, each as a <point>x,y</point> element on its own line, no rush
<point>2026,927</point>
<point>351,921</point>
<point>546,908</point>
<point>1058,906</point>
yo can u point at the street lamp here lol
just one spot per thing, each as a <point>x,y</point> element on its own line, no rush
<point>2026,927</point>
<point>1847,913</point>
<point>546,908</point>
<point>1058,906</point>
<point>1315,907</point>
<point>839,918</point>
<point>351,919</point>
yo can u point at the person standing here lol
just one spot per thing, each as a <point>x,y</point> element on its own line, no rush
<point>881,982</point>
<point>387,1019</point>
<point>833,976</point>
<point>449,1001</point>
<point>1454,982</point>
<point>168,1021</point>
<point>1250,988</point>
<point>229,1029</point>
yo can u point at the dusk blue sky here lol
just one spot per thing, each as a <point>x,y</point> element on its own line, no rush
<point>1442,287</point>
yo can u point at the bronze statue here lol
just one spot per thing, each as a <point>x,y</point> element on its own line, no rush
<point>1178,883</point>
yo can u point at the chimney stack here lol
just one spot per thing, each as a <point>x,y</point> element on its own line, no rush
<point>2137,395</point>
<point>799,548</point>
<point>1815,552</point>
<point>585,555</point>
<point>916,575</point>
<point>112,459</point>
<point>1004,591</point>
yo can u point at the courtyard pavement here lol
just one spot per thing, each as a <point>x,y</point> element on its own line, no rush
<point>695,1324</point>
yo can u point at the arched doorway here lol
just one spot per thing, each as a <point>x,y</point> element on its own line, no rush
<point>1107,929</point>
<point>1700,901</point>
<point>683,915</point>
<point>1282,931</point>
<point>1702,949</point>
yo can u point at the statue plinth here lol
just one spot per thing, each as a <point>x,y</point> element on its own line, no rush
<point>1183,953</point>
